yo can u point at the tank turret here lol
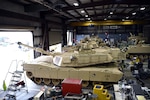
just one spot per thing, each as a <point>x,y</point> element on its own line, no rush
<point>93,42</point>
<point>83,56</point>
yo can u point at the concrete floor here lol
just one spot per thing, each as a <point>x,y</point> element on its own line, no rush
<point>128,74</point>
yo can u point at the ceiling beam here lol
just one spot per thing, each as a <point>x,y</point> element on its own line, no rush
<point>79,4</point>
<point>94,8</point>
<point>20,2</point>
<point>35,8</point>
<point>108,2</point>
<point>106,14</point>
<point>108,22</point>
<point>15,15</point>
<point>45,4</point>
<point>73,9</point>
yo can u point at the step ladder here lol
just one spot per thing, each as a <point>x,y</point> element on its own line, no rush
<point>17,82</point>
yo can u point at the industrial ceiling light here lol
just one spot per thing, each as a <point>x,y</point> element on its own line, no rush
<point>127,17</point>
<point>111,12</point>
<point>142,8</point>
<point>86,15</point>
<point>105,18</point>
<point>82,11</point>
<point>81,19</point>
<point>134,13</point>
<point>89,18</point>
<point>109,16</point>
<point>75,4</point>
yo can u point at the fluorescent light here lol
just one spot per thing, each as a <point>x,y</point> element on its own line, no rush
<point>82,11</point>
<point>134,13</point>
<point>142,8</point>
<point>75,4</point>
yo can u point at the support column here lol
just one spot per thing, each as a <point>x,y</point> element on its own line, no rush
<point>44,26</point>
<point>64,34</point>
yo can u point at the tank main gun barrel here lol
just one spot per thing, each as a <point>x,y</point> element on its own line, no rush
<point>37,49</point>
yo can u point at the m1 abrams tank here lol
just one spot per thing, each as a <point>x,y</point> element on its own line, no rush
<point>90,65</point>
<point>98,47</point>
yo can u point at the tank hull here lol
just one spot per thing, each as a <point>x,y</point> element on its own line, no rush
<point>139,50</point>
<point>48,71</point>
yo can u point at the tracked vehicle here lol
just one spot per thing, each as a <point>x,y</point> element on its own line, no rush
<point>86,63</point>
<point>138,47</point>
<point>140,50</point>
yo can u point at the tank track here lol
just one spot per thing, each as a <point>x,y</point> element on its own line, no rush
<point>57,82</point>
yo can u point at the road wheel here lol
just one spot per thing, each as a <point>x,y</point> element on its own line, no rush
<point>38,80</point>
<point>46,81</point>
<point>56,82</point>
<point>29,74</point>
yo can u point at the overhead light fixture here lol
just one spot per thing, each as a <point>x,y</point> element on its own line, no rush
<point>75,4</point>
<point>123,19</point>
<point>142,8</point>
<point>127,17</point>
<point>134,13</point>
<point>89,18</point>
<point>109,16</point>
<point>86,16</point>
<point>81,19</point>
<point>111,12</point>
<point>105,18</point>
<point>82,11</point>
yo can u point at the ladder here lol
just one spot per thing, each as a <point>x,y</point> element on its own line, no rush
<point>16,83</point>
